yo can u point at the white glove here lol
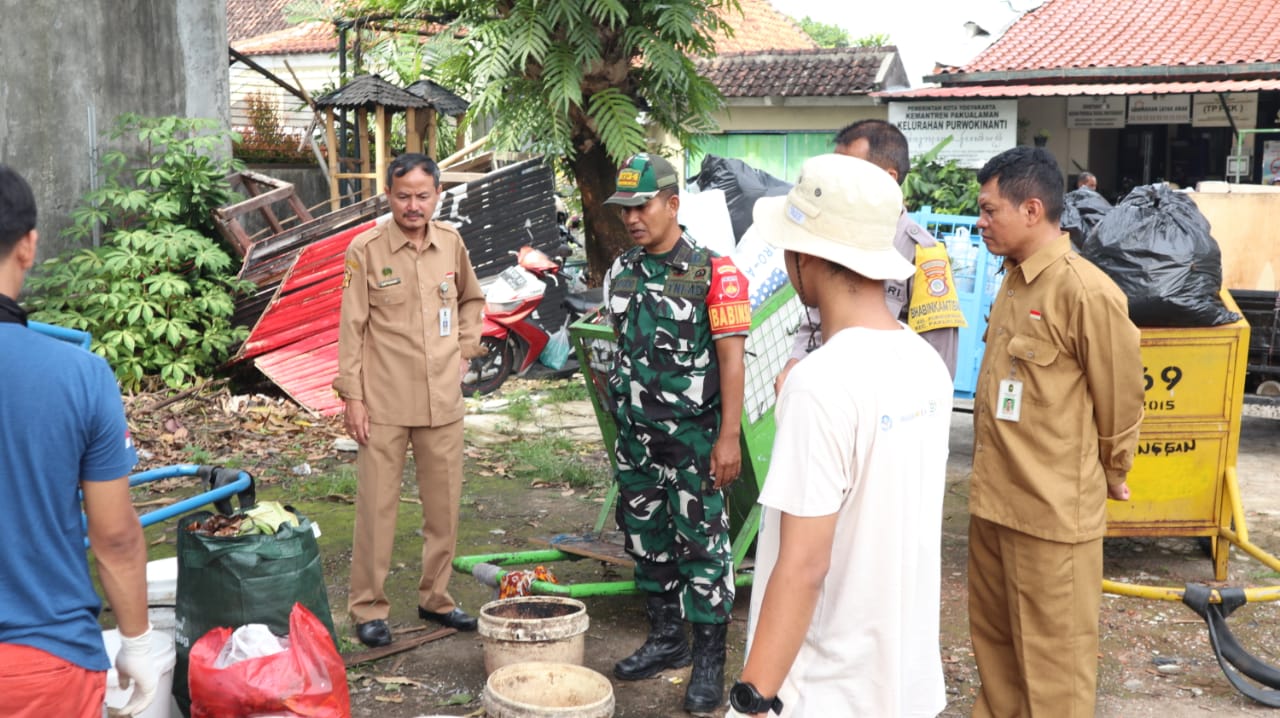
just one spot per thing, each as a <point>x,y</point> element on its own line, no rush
<point>134,665</point>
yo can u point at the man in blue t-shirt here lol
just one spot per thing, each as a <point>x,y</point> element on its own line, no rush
<point>62,432</point>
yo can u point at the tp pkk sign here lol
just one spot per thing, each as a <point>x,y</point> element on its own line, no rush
<point>980,129</point>
<point>1208,110</point>
<point>1095,112</point>
<point>1159,109</point>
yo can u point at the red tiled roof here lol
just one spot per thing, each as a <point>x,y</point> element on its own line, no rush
<point>1080,88</point>
<point>258,27</point>
<point>250,18</point>
<point>800,73</point>
<point>1083,34</point>
<point>761,27</point>
<point>317,36</point>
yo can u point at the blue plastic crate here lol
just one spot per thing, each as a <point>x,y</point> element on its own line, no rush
<point>977,275</point>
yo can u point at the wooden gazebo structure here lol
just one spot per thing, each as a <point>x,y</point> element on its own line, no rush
<point>370,97</point>
<point>442,102</point>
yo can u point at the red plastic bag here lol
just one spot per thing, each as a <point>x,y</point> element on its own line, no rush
<point>308,679</point>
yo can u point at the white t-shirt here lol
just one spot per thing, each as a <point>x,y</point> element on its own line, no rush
<point>862,431</point>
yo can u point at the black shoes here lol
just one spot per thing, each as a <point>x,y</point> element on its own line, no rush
<point>456,619</point>
<point>706,681</point>
<point>666,646</point>
<point>374,634</point>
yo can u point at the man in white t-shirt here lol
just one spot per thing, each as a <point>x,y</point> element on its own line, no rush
<point>845,606</point>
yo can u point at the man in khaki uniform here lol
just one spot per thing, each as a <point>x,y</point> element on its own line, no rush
<point>1055,425</point>
<point>410,317</point>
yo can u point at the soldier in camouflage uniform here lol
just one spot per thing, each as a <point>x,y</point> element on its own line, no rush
<point>681,314</point>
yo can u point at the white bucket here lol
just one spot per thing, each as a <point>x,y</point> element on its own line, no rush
<point>162,594</point>
<point>547,690</point>
<point>549,629</point>
<point>162,652</point>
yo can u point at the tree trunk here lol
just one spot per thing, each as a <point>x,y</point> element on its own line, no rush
<point>604,233</point>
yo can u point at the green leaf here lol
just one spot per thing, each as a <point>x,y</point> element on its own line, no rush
<point>457,699</point>
<point>618,123</point>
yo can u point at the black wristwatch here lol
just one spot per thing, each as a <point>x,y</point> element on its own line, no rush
<point>746,699</point>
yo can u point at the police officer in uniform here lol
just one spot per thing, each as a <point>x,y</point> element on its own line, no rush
<point>681,314</point>
<point>882,144</point>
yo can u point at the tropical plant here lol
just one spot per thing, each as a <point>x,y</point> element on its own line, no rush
<point>578,80</point>
<point>875,39</point>
<point>825,34</point>
<point>265,139</point>
<point>157,295</point>
<point>945,186</point>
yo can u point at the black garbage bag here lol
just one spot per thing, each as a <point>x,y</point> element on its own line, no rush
<point>1081,211</point>
<point>1071,223</point>
<point>236,580</point>
<point>742,185</point>
<point>1156,245</point>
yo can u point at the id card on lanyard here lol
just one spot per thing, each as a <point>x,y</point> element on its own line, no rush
<point>1009,402</point>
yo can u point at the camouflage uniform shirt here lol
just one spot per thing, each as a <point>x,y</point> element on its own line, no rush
<point>667,311</point>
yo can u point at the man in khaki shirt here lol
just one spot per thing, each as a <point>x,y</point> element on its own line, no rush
<point>410,316</point>
<point>1056,415</point>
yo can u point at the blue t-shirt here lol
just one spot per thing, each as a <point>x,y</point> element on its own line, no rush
<point>61,422</point>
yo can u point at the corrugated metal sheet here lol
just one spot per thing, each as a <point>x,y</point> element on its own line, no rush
<point>268,260</point>
<point>308,299</point>
<point>295,341</point>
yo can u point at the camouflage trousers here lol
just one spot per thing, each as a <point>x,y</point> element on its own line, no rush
<point>675,525</point>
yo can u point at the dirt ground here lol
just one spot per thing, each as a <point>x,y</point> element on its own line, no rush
<point>1155,658</point>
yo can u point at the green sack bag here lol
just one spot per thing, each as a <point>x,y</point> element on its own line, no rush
<point>236,580</point>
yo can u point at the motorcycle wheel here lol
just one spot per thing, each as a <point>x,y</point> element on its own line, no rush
<point>486,373</point>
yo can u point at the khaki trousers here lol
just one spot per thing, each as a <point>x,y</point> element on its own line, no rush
<point>437,453</point>
<point>1033,619</point>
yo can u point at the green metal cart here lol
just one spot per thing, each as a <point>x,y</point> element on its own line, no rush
<point>773,328</point>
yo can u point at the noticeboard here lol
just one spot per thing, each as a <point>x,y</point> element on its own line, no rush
<point>979,129</point>
<point>1159,109</point>
<point>1095,113</point>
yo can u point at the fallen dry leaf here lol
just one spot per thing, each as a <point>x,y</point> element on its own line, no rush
<point>397,681</point>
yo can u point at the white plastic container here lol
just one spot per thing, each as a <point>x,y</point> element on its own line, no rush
<point>548,629</point>
<point>547,690</point>
<point>162,594</point>
<point>162,652</point>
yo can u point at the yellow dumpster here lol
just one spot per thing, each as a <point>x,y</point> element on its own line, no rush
<point>1183,478</point>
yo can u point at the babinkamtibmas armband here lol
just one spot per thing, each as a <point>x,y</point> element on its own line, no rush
<point>728,299</point>
<point>934,302</point>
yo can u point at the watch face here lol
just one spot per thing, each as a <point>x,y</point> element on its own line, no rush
<point>743,697</point>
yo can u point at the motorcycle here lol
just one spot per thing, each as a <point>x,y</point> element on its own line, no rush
<point>512,339</point>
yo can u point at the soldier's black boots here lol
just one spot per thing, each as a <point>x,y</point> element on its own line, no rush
<point>706,682</point>
<point>666,646</point>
